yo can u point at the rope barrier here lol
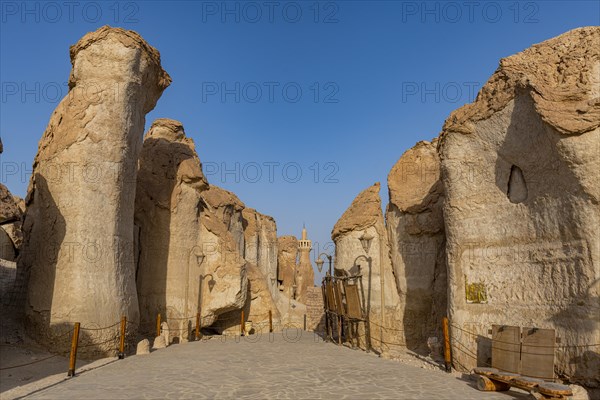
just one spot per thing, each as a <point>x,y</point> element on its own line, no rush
<point>387,328</point>
<point>100,329</point>
<point>29,363</point>
<point>528,345</point>
<point>98,344</point>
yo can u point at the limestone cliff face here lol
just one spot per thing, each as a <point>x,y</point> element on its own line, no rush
<point>11,240</point>
<point>520,168</point>
<point>78,227</point>
<point>364,216</point>
<point>9,208</point>
<point>10,244</point>
<point>415,227</point>
<point>294,268</point>
<point>11,216</point>
<point>260,233</point>
<point>228,208</point>
<point>286,259</point>
<point>252,233</point>
<point>175,232</point>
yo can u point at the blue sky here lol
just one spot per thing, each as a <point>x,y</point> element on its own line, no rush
<point>294,106</point>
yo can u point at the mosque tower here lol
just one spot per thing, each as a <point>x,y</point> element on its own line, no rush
<point>304,247</point>
<point>304,277</point>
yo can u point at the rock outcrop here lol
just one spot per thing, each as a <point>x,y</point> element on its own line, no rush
<point>11,216</point>
<point>364,216</point>
<point>9,207</point>
<point>228,208</point>
<point>260,232</point>
<point>11,238</point>
<point>286,260</point>
<point>78,250</point>
<point>415,226</point>
<point>189,260</point>
<point>520,169</point>
<point>169,184</point>
<point>294,266</point>
<point>254,235</point>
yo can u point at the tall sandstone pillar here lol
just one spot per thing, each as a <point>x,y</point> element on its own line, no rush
<point>415,225</point>
<point>78,251</point>
<point>520,169</point>
<point>364,216</point>
<point>190,237</point>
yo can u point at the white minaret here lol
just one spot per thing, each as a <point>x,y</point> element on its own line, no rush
<point>304,247</point>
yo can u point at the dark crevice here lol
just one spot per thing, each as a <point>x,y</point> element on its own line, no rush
<point>517,188</point>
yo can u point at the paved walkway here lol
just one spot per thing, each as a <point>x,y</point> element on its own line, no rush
<point>278,369</point>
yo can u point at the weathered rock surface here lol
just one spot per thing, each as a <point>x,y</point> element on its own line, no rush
<point>8,251</point>
<point>159,343</point>
<point>259,302</point>
<point>415,225</point>
<point>365,216</point>
<point>286,259</point>
<point>253,234</point>
<point>20,203</point>
<point>143,347</point>
<point>9,208</point>
<point>79,222</point>
<point>520,168</point>
<point>15,233</point>
<point>228,208</point>
<point>260,232</point>
<point>11,216</point>
<point>184,242</point>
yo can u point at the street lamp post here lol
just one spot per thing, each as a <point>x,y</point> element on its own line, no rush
<point>196,251</point>
<point>368,305</point>
<point>365,241</point>
<point>211,285</point>
<point>320,262</point>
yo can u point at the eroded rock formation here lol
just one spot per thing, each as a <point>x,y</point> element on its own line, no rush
<point>260,233</point>
<point>415,225</point>
<point>167,213</point>
<point>520,168</point>
<point>190,236</point>
<point>78,250</point>
<point>11,215</point>
<point>365,217</point>
<point>11,238</point>
<point>295,272</point>
<point>286,259</point>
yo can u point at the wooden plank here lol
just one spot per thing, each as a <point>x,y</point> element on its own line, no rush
<point>506,346</point>
<point>330,296</point>
<point>537,353</point>
<point>353,301</point>
<point>485,384</point>
<point>339,306</point>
